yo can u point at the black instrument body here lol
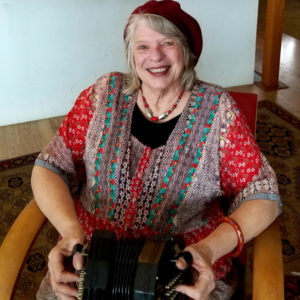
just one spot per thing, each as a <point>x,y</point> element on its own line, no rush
<point>130,269</point>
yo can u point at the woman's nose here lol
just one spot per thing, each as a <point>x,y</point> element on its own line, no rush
<point>157,53</point>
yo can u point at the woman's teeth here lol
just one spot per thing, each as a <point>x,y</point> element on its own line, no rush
<point>159,70</point>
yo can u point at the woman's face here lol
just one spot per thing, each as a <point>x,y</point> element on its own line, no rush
<point>158,59</point>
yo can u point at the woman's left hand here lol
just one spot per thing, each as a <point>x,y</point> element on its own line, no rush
<point>203,277</point>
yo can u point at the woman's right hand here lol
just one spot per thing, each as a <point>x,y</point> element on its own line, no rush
<point>63,281</point>
<point>53,197</point>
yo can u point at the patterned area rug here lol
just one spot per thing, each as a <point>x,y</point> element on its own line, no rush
<point>15,193</point>
<point>278,134</point>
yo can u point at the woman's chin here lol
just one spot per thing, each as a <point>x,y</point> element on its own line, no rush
<point>159,83</point>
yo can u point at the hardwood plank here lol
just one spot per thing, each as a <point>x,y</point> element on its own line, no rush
<point>25,138</point>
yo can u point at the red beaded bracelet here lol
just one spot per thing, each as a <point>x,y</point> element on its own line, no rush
<point>239,234</point>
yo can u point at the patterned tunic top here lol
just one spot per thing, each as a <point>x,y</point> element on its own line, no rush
<point>209,166</point>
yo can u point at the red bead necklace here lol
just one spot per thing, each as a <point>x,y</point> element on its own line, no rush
<point>164,115</point>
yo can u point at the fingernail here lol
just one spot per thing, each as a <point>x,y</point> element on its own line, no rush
<point>78,265</point>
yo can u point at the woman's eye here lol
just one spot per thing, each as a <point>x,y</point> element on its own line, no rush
<point>142,47</point>
<point>169,43</point>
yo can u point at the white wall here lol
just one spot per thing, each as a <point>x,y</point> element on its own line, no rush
<point>51,50</point>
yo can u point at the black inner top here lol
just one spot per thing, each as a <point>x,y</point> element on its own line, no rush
<point>149,133</point>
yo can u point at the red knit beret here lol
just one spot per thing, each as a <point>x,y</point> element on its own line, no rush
<point>172,11</point>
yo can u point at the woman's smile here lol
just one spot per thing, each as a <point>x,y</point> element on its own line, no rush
<point>158,71</point>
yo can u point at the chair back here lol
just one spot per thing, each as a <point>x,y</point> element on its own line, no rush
<point>248,105</point>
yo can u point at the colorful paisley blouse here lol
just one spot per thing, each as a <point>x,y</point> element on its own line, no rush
<point>209,166</point>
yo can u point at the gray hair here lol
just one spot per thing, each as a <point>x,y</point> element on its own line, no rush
<point>165,27</point>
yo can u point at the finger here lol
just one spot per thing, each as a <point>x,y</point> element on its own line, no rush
<point>60,275</point>
<point>189,291</point>
<point>200,290</point>
<point>58,270</point>
<point>64,297</point>
<point>61,296</point>
<point>181,263</point>
<point>78,261</point>
<point>193,291</point>
<point>68,277</point>
<point>65,291</point>
<point>56,261</point>
<point>64,277</point>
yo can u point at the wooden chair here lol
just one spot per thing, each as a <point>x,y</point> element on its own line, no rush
<point>268,262</point>
<point>268,274</point>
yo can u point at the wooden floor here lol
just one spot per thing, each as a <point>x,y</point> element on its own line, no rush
<point>30,137</point>
<point>25,138</point>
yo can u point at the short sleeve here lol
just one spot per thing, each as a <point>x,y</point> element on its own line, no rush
<point>245,173</point>
<point>64,154</point>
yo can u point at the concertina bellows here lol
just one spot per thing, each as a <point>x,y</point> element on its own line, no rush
<point>131,269</point>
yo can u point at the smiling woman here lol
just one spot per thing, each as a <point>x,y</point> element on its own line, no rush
<point>158,60</point>
<point>171,34</point>
<point>159,65</point>
<point>156,154</point>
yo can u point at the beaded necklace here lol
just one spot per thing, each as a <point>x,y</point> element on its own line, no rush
<point>164,115</point>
